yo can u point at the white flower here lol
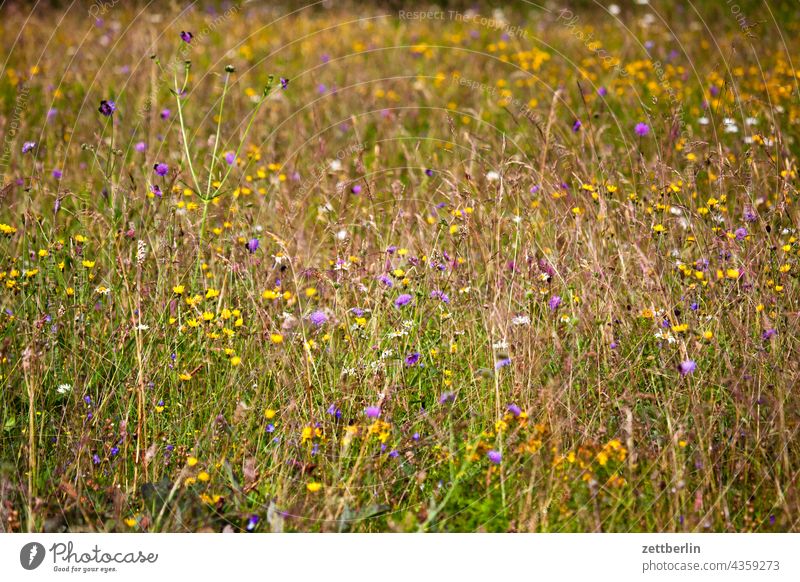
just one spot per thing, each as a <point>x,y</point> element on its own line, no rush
<point>64,388</point>
<point>703,121</point>
<point>521,320</point>
<point>492,176</point>
<point>613,9</point>
<point>336,165</point>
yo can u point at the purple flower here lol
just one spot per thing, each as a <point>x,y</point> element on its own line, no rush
<point>429,173</point>
<point>447,397</point>
<point>404,299</point>
<point>372,411</point>
<point>28,146</point>
<point>186,36</point>
<point>502,363</point>
<point>415,436</point>
<point>114,451</point>
<point>140,146</point>
<point>576,127</point>
<point>642,129</point>
<point>494,456</point>
<point>412,358</point>
<point>230,158</point>
<point>750,214</point>
<point>687,367</point>
<point>318,318</point>
<point>334,411</point>
<point>252,245</point>
<point>155,190</point>
<point>95,459</point>
<point>440,295</point>
<point>768,334</point>
<point>554,303</point>
<point>394,454</point>
<point>514,409</point>
<point>356,189</point>
<point>386,280</point>
<point>602,91</point>
<point>270,428</point>
<point>161,169</point>
<point>252,523</point>
<point>165,113</point>
<point>741,233</point>
<point>107,108</point>
<point>57,173</point>
<point>284,83</point>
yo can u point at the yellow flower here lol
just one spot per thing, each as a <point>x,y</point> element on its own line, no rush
<point>130,522</point>
<point>269,413</point>
<point>43,253</point>
<point>7,229</point>
<point>276,338</point>
<point>88,264</point>
<point>310,292</point>
<point>178,289</point>
<point>732,273</point>
<point>314,487</point>
<point>236,360</point>
<point>191,461</point>
<point>203,476</point>
<point>659,229</point>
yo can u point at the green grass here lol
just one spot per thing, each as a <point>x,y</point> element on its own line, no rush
<point>202,394</point>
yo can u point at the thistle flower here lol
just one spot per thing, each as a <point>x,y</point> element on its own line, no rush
<point>554,302</point>
<point>494,456</point>
<point>514,409</point>
<point>140,146</point>
<point>161,169</point>
<point>165,113</point>
<point>642,129</point>
<point>107,107</point>
<point>372,411</point>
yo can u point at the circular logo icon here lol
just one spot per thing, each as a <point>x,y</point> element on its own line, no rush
<point>31,555</point>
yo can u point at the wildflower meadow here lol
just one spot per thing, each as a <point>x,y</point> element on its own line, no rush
<point>385,267</point>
